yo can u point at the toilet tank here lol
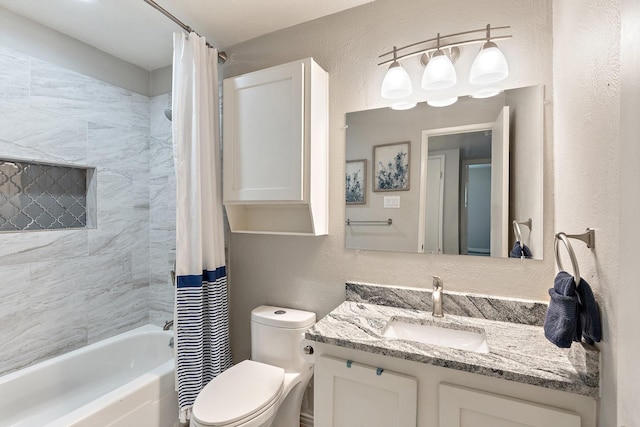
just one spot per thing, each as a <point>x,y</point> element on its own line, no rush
<point>276,335</point>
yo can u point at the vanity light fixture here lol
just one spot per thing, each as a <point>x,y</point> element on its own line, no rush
<point>489,66</point>
<point>396,83</point>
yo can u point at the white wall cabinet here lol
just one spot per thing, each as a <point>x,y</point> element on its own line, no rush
<point>275,139</point>
<point>445,397</point>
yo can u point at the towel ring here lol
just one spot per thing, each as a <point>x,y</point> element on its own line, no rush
<point>589,238</point>
<point>574,262</point>
<point>516,229</point>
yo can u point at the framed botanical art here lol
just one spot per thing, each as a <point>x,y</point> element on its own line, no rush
<point>391,166</point>
<point>356,182</point>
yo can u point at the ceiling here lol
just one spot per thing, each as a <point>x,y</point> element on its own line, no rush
<point>134,31</point>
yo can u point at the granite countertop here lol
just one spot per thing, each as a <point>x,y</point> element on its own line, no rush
<point>517,351</point>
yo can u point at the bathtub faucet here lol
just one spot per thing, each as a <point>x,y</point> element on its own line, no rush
<point>168,325</point>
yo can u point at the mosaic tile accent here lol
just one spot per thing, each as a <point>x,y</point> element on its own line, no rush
<point>36,196</point>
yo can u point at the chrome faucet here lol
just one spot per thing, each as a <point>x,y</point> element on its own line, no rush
<point>436,303</point>
<point>168,325</point>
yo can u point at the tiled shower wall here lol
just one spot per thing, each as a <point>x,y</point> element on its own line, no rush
<point>162,238</point>
<point>63,289</point>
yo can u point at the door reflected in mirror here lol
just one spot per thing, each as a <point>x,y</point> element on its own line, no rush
<point>479,168</point>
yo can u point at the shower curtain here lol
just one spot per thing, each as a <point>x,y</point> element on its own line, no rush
<point>201,321</point>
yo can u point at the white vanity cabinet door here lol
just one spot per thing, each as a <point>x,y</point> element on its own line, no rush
<point>464,407</point>
<point>264,134</point>
<point>359,395</point>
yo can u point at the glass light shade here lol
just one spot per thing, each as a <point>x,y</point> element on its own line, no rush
<point>396,83</point>
<point>444,102</point>
<point>486,92</point>
<point>439,72</point>
<point>490,66</point>
<point>403,105</point>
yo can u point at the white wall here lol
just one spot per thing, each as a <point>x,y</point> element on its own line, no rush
<point>309,273</point>
<point>587,160</point>
<point>628,289</point>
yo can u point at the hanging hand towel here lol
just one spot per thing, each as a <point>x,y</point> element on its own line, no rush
<point>562,322</point>
<point>589,314</point>
<point>519,250</point>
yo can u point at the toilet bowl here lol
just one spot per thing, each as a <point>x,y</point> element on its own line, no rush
<point>266,390</point>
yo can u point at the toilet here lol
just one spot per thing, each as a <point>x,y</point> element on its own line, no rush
<point>266,390</point>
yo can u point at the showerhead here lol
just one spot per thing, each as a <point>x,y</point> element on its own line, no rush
<point>167,113</point>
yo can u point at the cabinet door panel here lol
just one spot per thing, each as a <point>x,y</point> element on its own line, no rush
<point>463,407</point>
<point>355,395</point>
<point>264,135</point>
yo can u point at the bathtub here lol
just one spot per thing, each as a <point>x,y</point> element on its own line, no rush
<point>127,380</point>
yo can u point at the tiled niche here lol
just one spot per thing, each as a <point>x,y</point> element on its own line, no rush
<point>40,196</point>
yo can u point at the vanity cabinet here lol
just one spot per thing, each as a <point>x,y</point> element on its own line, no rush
<point>350,394</point>
<point>449,397</point>
<point>275,139</point>
<point>464,407</point>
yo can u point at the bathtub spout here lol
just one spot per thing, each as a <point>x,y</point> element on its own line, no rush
<point>168,325</point>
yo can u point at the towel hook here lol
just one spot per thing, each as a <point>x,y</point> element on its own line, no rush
<point>588,238</point>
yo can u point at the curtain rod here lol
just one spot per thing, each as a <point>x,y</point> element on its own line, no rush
<point>222,56</point>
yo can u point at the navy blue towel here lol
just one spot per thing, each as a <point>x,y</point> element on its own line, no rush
<point>562,324</point>
<point>518,250</point>
<point>589,314</point>
<point>572,314</point>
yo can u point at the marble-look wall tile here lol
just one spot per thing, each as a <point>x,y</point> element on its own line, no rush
<point>119,149</point>
<point>29,246</point>
<point>162,206</point>
<point>60,290</point>
<point>32,337</point>
<point>54,88</point>
<point>15,282</point>
<point>14,76</point>
<point>160,126</point>
<point>41,136</point>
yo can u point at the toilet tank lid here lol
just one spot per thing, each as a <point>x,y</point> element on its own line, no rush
<point>282,317</point>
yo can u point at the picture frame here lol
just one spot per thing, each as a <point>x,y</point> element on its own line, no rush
<point>391,166</point>
<point>356,182</point>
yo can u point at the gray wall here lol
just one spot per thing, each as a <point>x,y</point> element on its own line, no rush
<point>309,273</point>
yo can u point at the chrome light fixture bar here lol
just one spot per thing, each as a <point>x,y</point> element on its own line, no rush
<point>488,67</point>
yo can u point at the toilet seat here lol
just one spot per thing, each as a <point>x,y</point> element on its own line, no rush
<point>240,393</point>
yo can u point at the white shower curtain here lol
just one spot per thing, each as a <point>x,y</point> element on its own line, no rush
<point>201,317</point>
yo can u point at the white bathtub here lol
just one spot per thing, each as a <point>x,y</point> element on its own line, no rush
<point>127,380</point>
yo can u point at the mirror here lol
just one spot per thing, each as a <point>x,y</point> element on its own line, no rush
<point>458,180</point>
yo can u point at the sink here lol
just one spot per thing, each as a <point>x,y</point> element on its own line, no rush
<point>472,339</point>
